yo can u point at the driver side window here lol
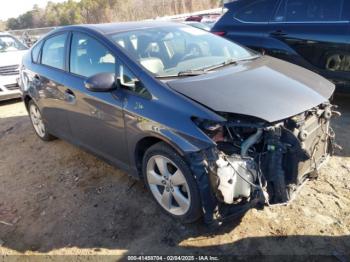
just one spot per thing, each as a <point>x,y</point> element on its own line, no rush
<point>88,57</point>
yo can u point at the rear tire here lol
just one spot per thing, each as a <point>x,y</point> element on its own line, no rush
<point>171,183</point>
<point>38,122</point>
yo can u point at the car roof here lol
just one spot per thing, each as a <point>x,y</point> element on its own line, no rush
<point>111,28</point>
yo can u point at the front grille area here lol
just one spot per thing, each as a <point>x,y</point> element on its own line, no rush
<point>12,87</point>
<point>315,145</point>
<point>9,70</point>
<point>307,145</point>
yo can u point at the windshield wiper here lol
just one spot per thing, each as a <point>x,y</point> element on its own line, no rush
<point>230,62</point>
<point>227,62</point>
<point>249,58</point>
<point>192,72</point>
<point>205,70</point>
<point>196,72</point>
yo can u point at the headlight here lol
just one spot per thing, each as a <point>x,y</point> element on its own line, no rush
<point>211,128</point>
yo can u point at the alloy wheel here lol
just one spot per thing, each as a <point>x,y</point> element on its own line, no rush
<point>168,185</point>
<point>37,120</point>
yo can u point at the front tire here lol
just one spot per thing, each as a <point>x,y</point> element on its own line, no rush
<point>38,122</point>
<point>169,179</point>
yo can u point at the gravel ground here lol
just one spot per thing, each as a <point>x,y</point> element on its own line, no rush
<point>57,199</point>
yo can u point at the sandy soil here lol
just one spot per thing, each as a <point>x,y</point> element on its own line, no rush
<point>57,199</point>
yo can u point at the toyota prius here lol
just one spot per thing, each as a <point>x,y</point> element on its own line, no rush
<point>211,127</point>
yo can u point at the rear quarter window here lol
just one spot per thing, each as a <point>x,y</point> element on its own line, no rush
<point>256,11</point>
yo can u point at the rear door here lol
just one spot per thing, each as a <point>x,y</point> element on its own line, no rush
<point>311,33</point>
<point>246,22</point>
<point>96,118</point>
<point>49,81</point>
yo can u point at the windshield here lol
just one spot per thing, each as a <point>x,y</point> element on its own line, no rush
<point>9,43</point>
<point>170,51</point>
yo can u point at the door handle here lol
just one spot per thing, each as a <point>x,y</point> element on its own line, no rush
<point>37,77</point>
<point>69,92</point>
<point>278,33</point>
<point>69,95</point>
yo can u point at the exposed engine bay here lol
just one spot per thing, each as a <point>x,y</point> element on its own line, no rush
<point>269,162</point>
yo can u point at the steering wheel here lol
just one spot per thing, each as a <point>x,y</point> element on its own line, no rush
<point>193,51</point>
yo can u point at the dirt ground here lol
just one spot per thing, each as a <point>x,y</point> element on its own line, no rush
<point>57,199</point>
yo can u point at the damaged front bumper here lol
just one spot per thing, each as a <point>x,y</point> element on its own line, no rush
<point>260,163</point>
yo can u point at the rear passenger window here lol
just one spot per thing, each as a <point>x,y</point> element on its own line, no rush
<point>88,57</point>
<point>36,51</point>
<point>258,11</point>
<point>309,11</point>
<point>53,51</point>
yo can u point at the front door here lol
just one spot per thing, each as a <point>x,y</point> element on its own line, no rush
<point>96,118</point>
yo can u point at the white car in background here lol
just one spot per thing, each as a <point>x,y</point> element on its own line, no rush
<point>11,53</point>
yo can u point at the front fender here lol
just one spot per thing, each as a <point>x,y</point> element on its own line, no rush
<point>139,128</point>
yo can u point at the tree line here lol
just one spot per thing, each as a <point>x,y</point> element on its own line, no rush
<point>102,11</point>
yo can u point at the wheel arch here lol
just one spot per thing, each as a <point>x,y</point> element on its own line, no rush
<point>146,142</point>
<point>180,142</point>
<point>26,100</point>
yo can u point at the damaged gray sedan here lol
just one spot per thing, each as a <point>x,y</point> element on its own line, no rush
<point>211,127</point>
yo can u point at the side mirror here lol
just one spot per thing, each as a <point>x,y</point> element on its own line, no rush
<point>125,80</point>
<point>102,82</point>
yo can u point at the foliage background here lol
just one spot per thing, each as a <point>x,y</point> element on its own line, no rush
<point>102,11</point>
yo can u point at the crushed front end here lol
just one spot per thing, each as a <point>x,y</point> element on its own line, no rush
<point>258,162</point>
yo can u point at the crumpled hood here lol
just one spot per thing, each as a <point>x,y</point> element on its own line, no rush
<point>11,57</point>
<point>267,88</point>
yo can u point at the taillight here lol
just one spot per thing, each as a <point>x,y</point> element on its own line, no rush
<point>220,33</point>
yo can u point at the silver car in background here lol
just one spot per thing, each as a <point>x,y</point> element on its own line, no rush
<point>11,53</point>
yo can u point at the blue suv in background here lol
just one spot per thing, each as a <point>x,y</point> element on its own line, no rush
<point>314,34</point>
